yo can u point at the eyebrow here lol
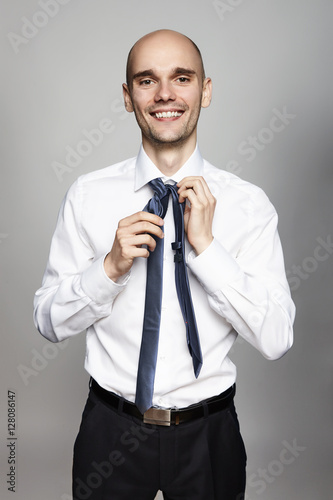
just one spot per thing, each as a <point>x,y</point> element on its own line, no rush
<point>175,71</point>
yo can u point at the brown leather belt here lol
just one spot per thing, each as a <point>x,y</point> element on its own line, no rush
<point>166,417</point>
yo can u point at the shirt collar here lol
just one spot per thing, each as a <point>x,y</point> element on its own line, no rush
<point>146,170</point>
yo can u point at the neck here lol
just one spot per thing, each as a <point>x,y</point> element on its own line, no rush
<point>169,158</point>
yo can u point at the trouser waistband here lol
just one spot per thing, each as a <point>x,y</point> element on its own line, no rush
<point>166,417</point>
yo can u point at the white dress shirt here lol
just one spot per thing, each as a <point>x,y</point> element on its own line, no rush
<point>238,283</point>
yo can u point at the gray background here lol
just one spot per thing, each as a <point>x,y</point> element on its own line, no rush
<point>65,77</point>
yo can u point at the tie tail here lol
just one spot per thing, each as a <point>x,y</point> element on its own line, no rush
<point>197,365</point>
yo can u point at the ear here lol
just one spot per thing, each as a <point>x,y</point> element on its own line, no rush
<point>206,93</point>
<point>127,98</point>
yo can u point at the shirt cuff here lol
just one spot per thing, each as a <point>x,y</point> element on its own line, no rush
<point>98,286</point>
<point>214,267</point>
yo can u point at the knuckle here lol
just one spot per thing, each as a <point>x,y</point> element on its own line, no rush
<point>122,244</point>
<point>152,243</point>
<point>120,234</point>
<point>124,253</point>
<point>212,201</point>
<point>145,226</point>
<point>143,215</point>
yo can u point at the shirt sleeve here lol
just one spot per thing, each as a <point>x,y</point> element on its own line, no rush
<point>250,289</point>
<point>75,292</point>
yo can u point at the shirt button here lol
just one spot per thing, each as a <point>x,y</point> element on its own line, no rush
<point>160,401</point>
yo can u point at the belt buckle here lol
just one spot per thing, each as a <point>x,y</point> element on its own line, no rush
<point>157,416</point>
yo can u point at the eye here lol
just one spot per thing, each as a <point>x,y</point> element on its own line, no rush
<point>183,79</point>
<point>147,82</point>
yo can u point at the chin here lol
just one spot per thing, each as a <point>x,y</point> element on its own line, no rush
<point>168,141</point>
<point>169,138</point>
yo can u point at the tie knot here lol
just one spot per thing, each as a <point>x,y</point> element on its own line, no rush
<point>158,204</point>
<point>160,189</point>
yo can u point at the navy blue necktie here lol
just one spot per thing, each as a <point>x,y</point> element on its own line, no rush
<point>152,314</point>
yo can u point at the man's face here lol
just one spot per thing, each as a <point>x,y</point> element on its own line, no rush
<point>166,89</point>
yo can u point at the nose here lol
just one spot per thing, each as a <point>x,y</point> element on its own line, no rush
<point>165,92</point>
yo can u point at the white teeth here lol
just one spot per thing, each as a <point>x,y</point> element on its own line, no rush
<point>168,114</point>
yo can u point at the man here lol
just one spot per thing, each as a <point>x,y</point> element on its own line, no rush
<point>189,445</point>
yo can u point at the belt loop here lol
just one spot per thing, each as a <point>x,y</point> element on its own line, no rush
<point>120,405</point>
<point>90,382</point>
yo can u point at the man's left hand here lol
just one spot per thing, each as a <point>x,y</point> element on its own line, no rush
<point>198,217</point>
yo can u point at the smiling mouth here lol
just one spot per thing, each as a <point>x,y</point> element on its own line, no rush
<point>167,114</point>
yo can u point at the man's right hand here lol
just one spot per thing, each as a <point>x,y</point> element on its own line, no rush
<point>133,232</point>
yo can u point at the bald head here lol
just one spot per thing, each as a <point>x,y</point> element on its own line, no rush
<point>162,40</point>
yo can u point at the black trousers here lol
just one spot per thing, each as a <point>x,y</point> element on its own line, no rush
<point>118,457</point>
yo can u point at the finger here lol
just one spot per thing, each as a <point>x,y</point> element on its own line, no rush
<point>141,216</point>
<point>191,196</point>
<point>188,182</point>
<point>196,184</point>
<point>143,227</point>
<point>207,191</point>
<point>142,239</point>
<point>190,188</point>
<point>138,252</point>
